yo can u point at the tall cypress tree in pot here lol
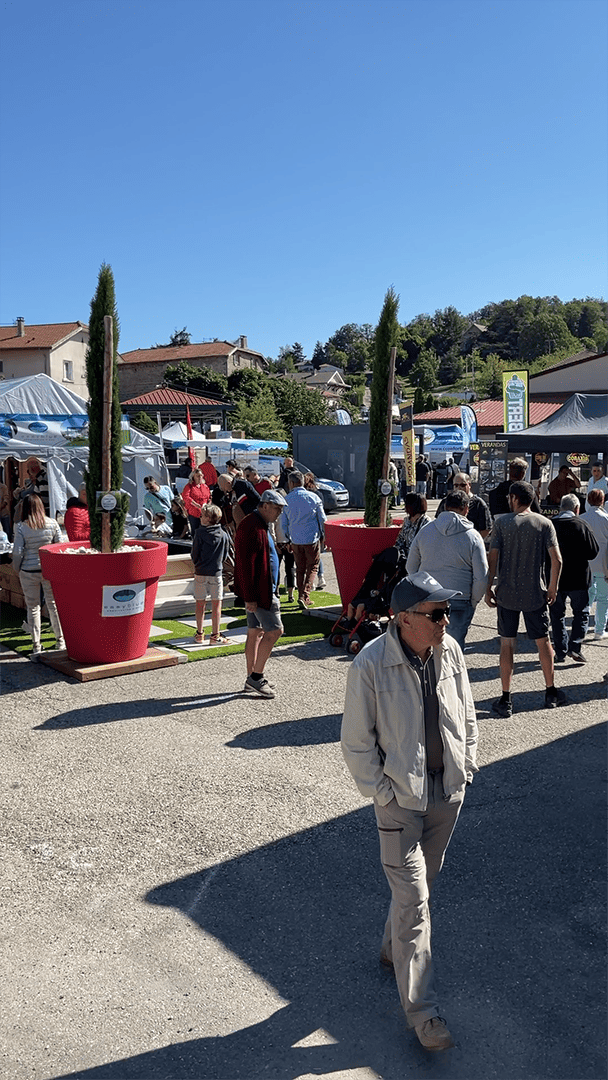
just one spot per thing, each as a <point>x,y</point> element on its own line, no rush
<point>103,303</point>
<point>386,338</point>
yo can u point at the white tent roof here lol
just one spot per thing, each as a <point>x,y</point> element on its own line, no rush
<point>39,394</point>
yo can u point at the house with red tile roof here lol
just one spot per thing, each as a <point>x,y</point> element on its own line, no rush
<point>54,349</point>
<point>143,370</point>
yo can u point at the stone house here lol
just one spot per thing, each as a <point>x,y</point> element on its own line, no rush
<point>54,349</point>
<point>143,370</point>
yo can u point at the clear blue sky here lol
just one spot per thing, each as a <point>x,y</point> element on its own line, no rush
<point>270,168</point>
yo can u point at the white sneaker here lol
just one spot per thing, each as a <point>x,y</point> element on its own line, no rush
<point>600,637</point>
<point>321,583</point>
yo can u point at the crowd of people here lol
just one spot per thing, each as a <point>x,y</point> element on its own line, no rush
<point>409,729</point>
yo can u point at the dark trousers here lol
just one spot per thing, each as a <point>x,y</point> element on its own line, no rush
<point>579,601</point>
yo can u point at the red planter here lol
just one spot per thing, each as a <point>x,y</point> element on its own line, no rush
<point>353,550</point>
<point>96,595</point>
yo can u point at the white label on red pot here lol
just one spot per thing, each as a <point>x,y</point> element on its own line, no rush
<point>123,599</point>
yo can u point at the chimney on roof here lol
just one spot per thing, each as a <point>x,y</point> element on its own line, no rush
<point>20,327</point>
<point>242,342</point>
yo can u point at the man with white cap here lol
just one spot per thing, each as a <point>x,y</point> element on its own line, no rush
<point>256,577</point>
<point>409,738</point>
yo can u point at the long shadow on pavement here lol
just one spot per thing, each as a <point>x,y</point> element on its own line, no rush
<point>518,914</point>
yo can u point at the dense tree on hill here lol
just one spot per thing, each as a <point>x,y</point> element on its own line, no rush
<point>259,418</point>
<point>425,370</point>
<point>318,356</point>
<point>297,353</point>
<point>355,343</point>
<point>203,380</point>
<point>246,384</point>
<point>297,405</point>
<point>488,377</point>
<point>545,333</point>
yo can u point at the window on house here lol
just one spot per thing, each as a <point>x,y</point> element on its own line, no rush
<point>68,371</point>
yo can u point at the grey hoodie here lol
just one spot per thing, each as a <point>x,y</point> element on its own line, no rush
<point>453,552</point>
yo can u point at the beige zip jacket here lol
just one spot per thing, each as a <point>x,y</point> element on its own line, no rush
<point>383,738</point>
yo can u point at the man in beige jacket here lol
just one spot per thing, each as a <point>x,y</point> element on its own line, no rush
<point>409,738</point>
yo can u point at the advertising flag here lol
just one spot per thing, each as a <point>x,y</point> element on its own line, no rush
<point>468,423</point>
<point>515,400</point>
<point>406,412</point>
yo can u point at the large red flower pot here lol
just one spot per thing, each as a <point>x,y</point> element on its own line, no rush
<point>353,546</point>
<point>105,602</point>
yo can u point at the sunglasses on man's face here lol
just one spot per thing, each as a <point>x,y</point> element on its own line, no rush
<point>437,615</point>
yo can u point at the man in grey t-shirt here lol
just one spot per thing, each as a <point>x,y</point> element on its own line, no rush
<point>520,544</point>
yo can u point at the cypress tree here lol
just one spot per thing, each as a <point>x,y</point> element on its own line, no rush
<point>385,339</point>
<point>103,303</point>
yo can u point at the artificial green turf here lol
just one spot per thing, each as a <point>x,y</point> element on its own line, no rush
<point>298,627</point>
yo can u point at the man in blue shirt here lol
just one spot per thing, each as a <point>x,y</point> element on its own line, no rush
<point>158,499</point>
<point>303,522</point>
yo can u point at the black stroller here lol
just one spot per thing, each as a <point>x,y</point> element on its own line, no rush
<point>387,568</point>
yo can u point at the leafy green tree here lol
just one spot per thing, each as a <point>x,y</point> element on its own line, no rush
<point>198,380</point>
<point>419,400</point>
<point>544,333</point>
<point>385,338</point>
<point>488,377</point>
<point>430,403</point>
<point>451,368</point>
<point>425,370</point>
<point>246,384</point>
<point>297,405</point>
<point>102,304</point>
<point>448,328</point>
<point>285,361</point>
<point>258,418</point>
<point>355,343</point>
<point>145,423</point>
<point>297,353</point>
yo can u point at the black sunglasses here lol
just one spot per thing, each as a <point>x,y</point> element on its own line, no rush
<point>437,615</point>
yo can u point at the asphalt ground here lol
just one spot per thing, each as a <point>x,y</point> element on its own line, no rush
<point>192,889</point>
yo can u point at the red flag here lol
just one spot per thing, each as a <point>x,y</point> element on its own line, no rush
<point>190,436</point>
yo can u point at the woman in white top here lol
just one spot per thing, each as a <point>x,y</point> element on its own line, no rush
<point>33,531</point>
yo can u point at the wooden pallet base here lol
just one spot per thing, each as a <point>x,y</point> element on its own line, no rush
<point>154,657</point>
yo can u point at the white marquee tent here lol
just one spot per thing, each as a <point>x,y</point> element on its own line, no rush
<point>42,418</point>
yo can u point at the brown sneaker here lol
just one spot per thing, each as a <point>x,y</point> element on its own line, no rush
<point>433,1034</point>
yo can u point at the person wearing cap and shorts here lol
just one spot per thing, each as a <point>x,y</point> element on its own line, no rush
<point>409,739</point>
<point>256,578</point>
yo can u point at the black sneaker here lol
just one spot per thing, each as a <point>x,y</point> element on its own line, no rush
<point>553,698</point>
<point>502,708</point>
<point>577,656</point>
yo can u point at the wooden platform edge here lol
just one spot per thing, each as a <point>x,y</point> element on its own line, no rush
<point>154,657</point>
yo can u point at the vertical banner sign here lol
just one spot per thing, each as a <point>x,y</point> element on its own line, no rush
<point>406,412</point>
<point>515,400</point>
<point>489,466</point>
<point>468,423</point>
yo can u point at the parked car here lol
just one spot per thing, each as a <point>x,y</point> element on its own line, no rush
<point>334,495</point>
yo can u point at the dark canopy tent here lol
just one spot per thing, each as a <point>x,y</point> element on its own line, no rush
<point>581,425</point>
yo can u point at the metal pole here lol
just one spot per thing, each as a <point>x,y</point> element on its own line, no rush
<point>106,461</point>
<point>389,433</point>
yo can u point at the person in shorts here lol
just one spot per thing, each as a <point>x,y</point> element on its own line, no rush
<point>520,544</point>
<point>209,549</point>
<point>256,578</point>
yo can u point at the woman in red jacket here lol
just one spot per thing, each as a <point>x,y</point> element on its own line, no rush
<point>76,519</point>
<point>195,495</point>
